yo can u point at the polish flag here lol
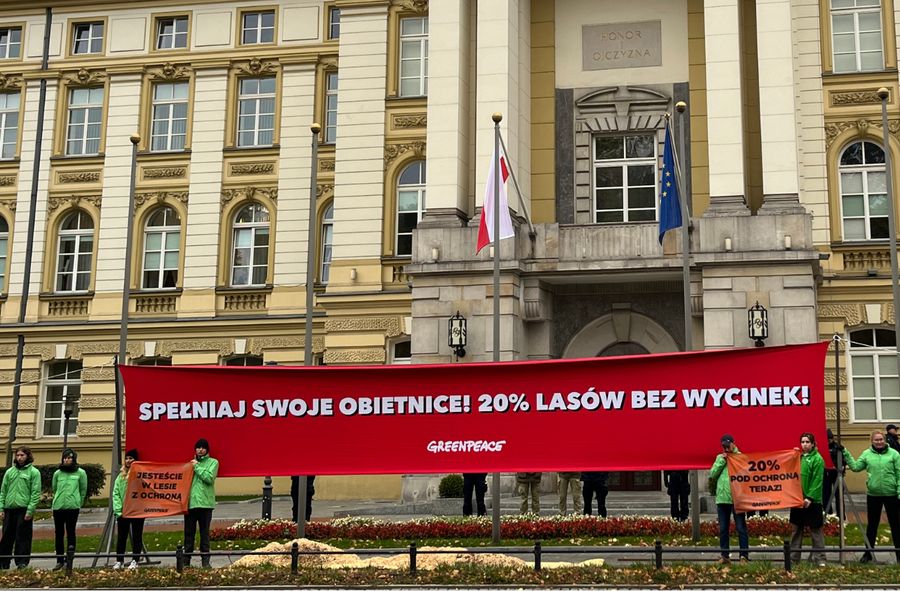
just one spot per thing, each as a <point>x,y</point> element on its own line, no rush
<point>486,228</point>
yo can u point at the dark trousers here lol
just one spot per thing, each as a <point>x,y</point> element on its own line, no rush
<point>478,483</point>
<point>892,508</point>
<point>16,537</point>
<point>740,524</point>
<point>587,493</point>
<point>64,521</point>
<point>679,505</point>
<point>295,496</point>
<point>134,528</point>
<point>192,519</point>
<point>828,487</point>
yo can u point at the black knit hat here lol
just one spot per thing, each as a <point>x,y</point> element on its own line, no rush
<point>69,452</point>
<point>727,439</point>
<point>202,443</point>
<point>132,453</point>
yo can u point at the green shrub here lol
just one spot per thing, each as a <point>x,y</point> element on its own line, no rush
<point>451,487</point>
<point>96,475</point>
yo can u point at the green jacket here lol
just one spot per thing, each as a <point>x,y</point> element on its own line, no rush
<point>69,489</point>
<point>21,488</point>
<point>812,473</point>
<point>119,494</point>
<point>203,486</point>
<point>718,475</point>
<point>883,468</point>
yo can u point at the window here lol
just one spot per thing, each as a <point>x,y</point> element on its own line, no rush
<point>244,361</point>
<point>10,43</point>
<point>169,126</point>
<point>62,389</point>
<point>856,35</point>
<point>864,205</point>
<point>873,370</point>
<point>162,242</point>
<point>87,38</point>
<point>331,98</point>
<point>257,27</point>
<point>625,170</point>
<point>327,242</point>
<point>414,56</point>
<point>153,361</point>
<point>9,124</point>
<point>250,260</point>
<point>401,352</point>
<point>410,205</point>
<point>172,32</point>
<point>256,112</point>
<point>334,23</point>
<point>85,113</point>
<point>74,253</point>
<point>4,249</point>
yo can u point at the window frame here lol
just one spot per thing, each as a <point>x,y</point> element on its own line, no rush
<point>623,164</point>
<point>78,235</point>
<point>331,22</point>
<point>326,242</point>
<point>9,27</point>
<point>423,41</point>
<point>259,10</point>
<point>421,197</point>
<point>253,226</point>
<point>73,26</point>
<point>864,170</point>
<point>65,383</point>
<point>154,103</point>
<point>875,352</point>
<point>855,12</point>
<point>5,254</point>
<point>70,93</point>
<point>4,114</point>
<point>229,361</point>
<point>328,108</point>
<point>158,19</point>
<point>154,361</point>
<point>257,98</point>
<point>392,351</point>
<point>165,231</point>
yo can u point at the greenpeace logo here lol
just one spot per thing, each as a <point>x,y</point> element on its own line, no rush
<point>457,446</point>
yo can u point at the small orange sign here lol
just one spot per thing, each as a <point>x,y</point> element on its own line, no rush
<point>156,489</point>
<point>767,480</point>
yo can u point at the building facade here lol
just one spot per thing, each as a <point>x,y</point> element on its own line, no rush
<point>782,149</point>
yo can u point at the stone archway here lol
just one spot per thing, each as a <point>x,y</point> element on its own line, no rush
<point>620,326</point>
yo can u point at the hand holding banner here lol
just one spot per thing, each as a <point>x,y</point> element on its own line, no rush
<point>156,489</point>
<point>766,480</point>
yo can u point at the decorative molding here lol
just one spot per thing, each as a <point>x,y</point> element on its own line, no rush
<point>164,172</point>
<point>54,203</point>
<point>25,403</point>
<point>24,432</point>
<point>68,307</point>
<point>97,402</point>
<point>831,412</point>
<point>829,378</point>
<point>247,193</point>
<point>79,350</point>
<point>257,345</point>
<point>155,303</point>
<point>223,347</point>
<point>10,81</point>
<point>87,176</point>
<point>328,61</point>
<point>87,430</point>
<point>326,164</point>
<point>253,168</point>
<point>324,191</point>
<point>850,313</point>
<point>391,326</point>
<point>417,6</point>
<point>867,259</point>
<point>399,276</point>
<point>8,350</point>
<point>256,67</point>
<point>394,151</point>
<point>244,302</point>
<point>410,121</point>
<point>98,374</point>
<point>7,180</point>
<point>861,97</point>
<point>833,130</point>
<point>9,204</point>
<point>354,356</point>
<point>169,72</point>
<point>46,352</point>
<point>160,197</point>
<point>85,77</point>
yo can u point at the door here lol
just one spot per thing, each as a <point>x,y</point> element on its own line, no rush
<point>643,480</point>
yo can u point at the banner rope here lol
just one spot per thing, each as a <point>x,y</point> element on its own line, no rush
<point>65,374</point>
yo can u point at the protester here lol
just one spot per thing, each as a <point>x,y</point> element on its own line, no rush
<point>595,483</point>
<point>201,504</point>
<point>20,493</point>
<point>678,487</point>
<point>529,484</point>
<point>891,436</point>
<point>474,482</point>
<point>811,515</point>
<point>720,482</point>
<point>882,488</point>
<point>831,475</point>
<point>568,481</point>
<point>295,496</point>
<point>69,493</point>
<point>125,526</point>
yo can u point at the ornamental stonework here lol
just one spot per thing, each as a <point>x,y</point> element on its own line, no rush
<point>7,180</point>
<point>410,121</point>
<point>829,378</point>
<point>326,164</point>
<point>223,347</point>
<point>9,204</point>
<point>165,172</point>
<point>831,412</point>
<point>55,203</point>
<point>247,193</point>
<point>97,402</point>
<point>98,374</point>
<point>849,312</point>
<point>10,82</point>
<point>87,430</point>
<point>79,350</point>
<point>354,356</point>
<point>833,130</point>
<point>256,67</point>
<point>417,6</point>
<point>85,77</point>
<point>861,97</point>
<point>394,151</point>
<point>257,168</point>
<point>78,177</point>
<point>391,326</point>
<point>46,352</point>
<point>169,72</point>
<point>324,191</point>
<point>160,197</point>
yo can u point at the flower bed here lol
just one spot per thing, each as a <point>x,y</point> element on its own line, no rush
<point>511,527</point>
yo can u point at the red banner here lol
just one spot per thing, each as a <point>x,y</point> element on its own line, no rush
<point>157,489</point>
<point>663,411</point>
<point>765,480</point>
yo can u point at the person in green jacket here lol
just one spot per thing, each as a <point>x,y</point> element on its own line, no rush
<point>882,488</point>
<point>125,526</point>
<point>201,503</point>
<point>720,481</point>
<point>69,493</point>
<point>19,496</point>
<point>811,514</point>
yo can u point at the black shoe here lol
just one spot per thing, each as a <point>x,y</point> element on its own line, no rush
<point>867,557</point>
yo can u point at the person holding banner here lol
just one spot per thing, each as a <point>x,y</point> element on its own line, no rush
<point>720,482</point>
<point>19,496</point>
<point>882,488</point>
<point>126,526</point>
<point>70,486</point>
<point>812,515</point>
<point>201,504</point>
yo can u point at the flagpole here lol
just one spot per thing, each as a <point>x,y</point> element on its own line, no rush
<point>495,477</point>
<point>531,231</point>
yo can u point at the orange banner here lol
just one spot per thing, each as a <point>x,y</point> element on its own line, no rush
<point>767,480</point>
<point>157,489</point>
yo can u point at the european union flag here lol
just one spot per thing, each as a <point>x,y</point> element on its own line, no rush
<point>669,203</point>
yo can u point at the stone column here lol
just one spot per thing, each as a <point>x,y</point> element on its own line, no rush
<point>724,107</point>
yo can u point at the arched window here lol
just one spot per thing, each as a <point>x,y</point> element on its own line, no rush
<point>864,206</point>
<point>4,249</point>
<point>250,246</point>
<point>874,385</point>
<point>162,242</point>
<point>327,241</point>
<point>410,205</point>
<point>75,251</point>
